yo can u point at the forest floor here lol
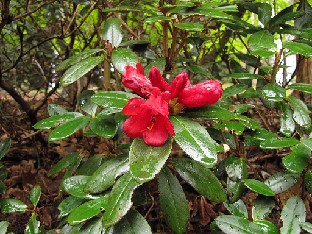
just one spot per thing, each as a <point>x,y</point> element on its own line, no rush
<point>28,162</point>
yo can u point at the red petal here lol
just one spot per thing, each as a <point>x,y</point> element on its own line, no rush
<point>158,105</point>
<point>158,134</point>
<point>202,94</point>
<point>179,83</point>
<point>133,106</point>
<point>157,80</point>
<point>136,125</point>
<point>140,68</point>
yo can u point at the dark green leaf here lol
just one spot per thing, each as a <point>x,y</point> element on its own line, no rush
<point>173,202</point>
<point>67,229</point>
<point>267,227</point>
<point>259,187</point>
<point>35,194</point>
<point>158,18</point>
<point>244,76</point>
<point>104,125</point>
<point>90,166</point>
<point>237,127</point>
<point>132,223</point>
<point>307,88</point>
<point>79,70</point>
<point>234,90</point>
<point>4,147</point>
<point>201,179</point>
<point>93,227</point>
<point>75,186</point>
<point>3,227</point>
<point>84,101</point>
<point>195,140</point>
<point>122,57</point>
<point>33,225</point>
<point>112,31</point>
<point>68,205</point>
<point>262,207</point>
<point>308,181</point>
<point>55,120</point>
<point>281,181</point>
<point>307,142</point>
<point>76,59</point>
<point>65,162</point>
<point>264,13</point>
<point>301,112</point>
<point>298,48</point>
<point>87,210</point>
<point>237,208</point>
<point>105,175</point>
<point>273,143</point>
<point>189,26</point>
<point>293,214</point>
<point>287,122</point>
<point>273,92</point>
<point>262,40</point>
<point>230,224</point>
<point>298,159</point>
<point>112,99</point>
<point>119,200</point>
<point>147,161</point>
<point>10,205</point>
<point>55,109</point>
<point>213,113</point>
<point>68,128</point>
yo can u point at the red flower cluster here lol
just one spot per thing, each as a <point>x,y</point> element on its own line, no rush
<point>150,119</point>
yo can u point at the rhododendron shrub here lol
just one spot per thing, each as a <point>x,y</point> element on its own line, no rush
<point>149,120</point>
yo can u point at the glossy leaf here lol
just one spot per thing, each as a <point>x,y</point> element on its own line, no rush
<point>267,227</point>
<point>200,178</point>
<point>10,205</point>
<point>293,214</point>
<point>281,181</point>
<point>75,186</point>
<point>55,109</point>
<point>104,125</point>
<point>190,26</point>
<point>76,59</point>
<point>298,48</point>
<point>273,143</point>
<point>78,70</point>
<point>65,162</point>
<point>68,205</point>
<point>264,13</point>
<point>307,142</point>
<point>112,31</point>
<point>262,40</point>
<point>122,57</point>
<point>85,103</point>
<point>33,225</point>
<point>259,187</point>
<point>306,226</point>
<point>4,147</point>
<point>301,112</point>
<point>262,207</point>
<point>273,92</point>
<point>105,175</point>
<point>112,99</point>
<point>195,140</point>
<point>147,161</point>
<point>35,194</point>
<point>67,229</point>
<point>68,128</point>
<point>89,166</point>
<point>233,90</point>
<point>119,199</point>
<point>54,120</point>
<point>230,224</point>
<point>298,159</point>
<point>172,201</point>
<point>92,227</point>
<point>287,122</point>
<point>307,88</point>
<point>244,76</point>
<point>133,223</point>
<point>308,181</point>
<point>3,227</point>
<point>237,208</point>
<point>213,113</point>
<point>87,210</point>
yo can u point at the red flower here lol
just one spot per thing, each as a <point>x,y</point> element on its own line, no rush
<point>202,94</point>
<point>148,120</point>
